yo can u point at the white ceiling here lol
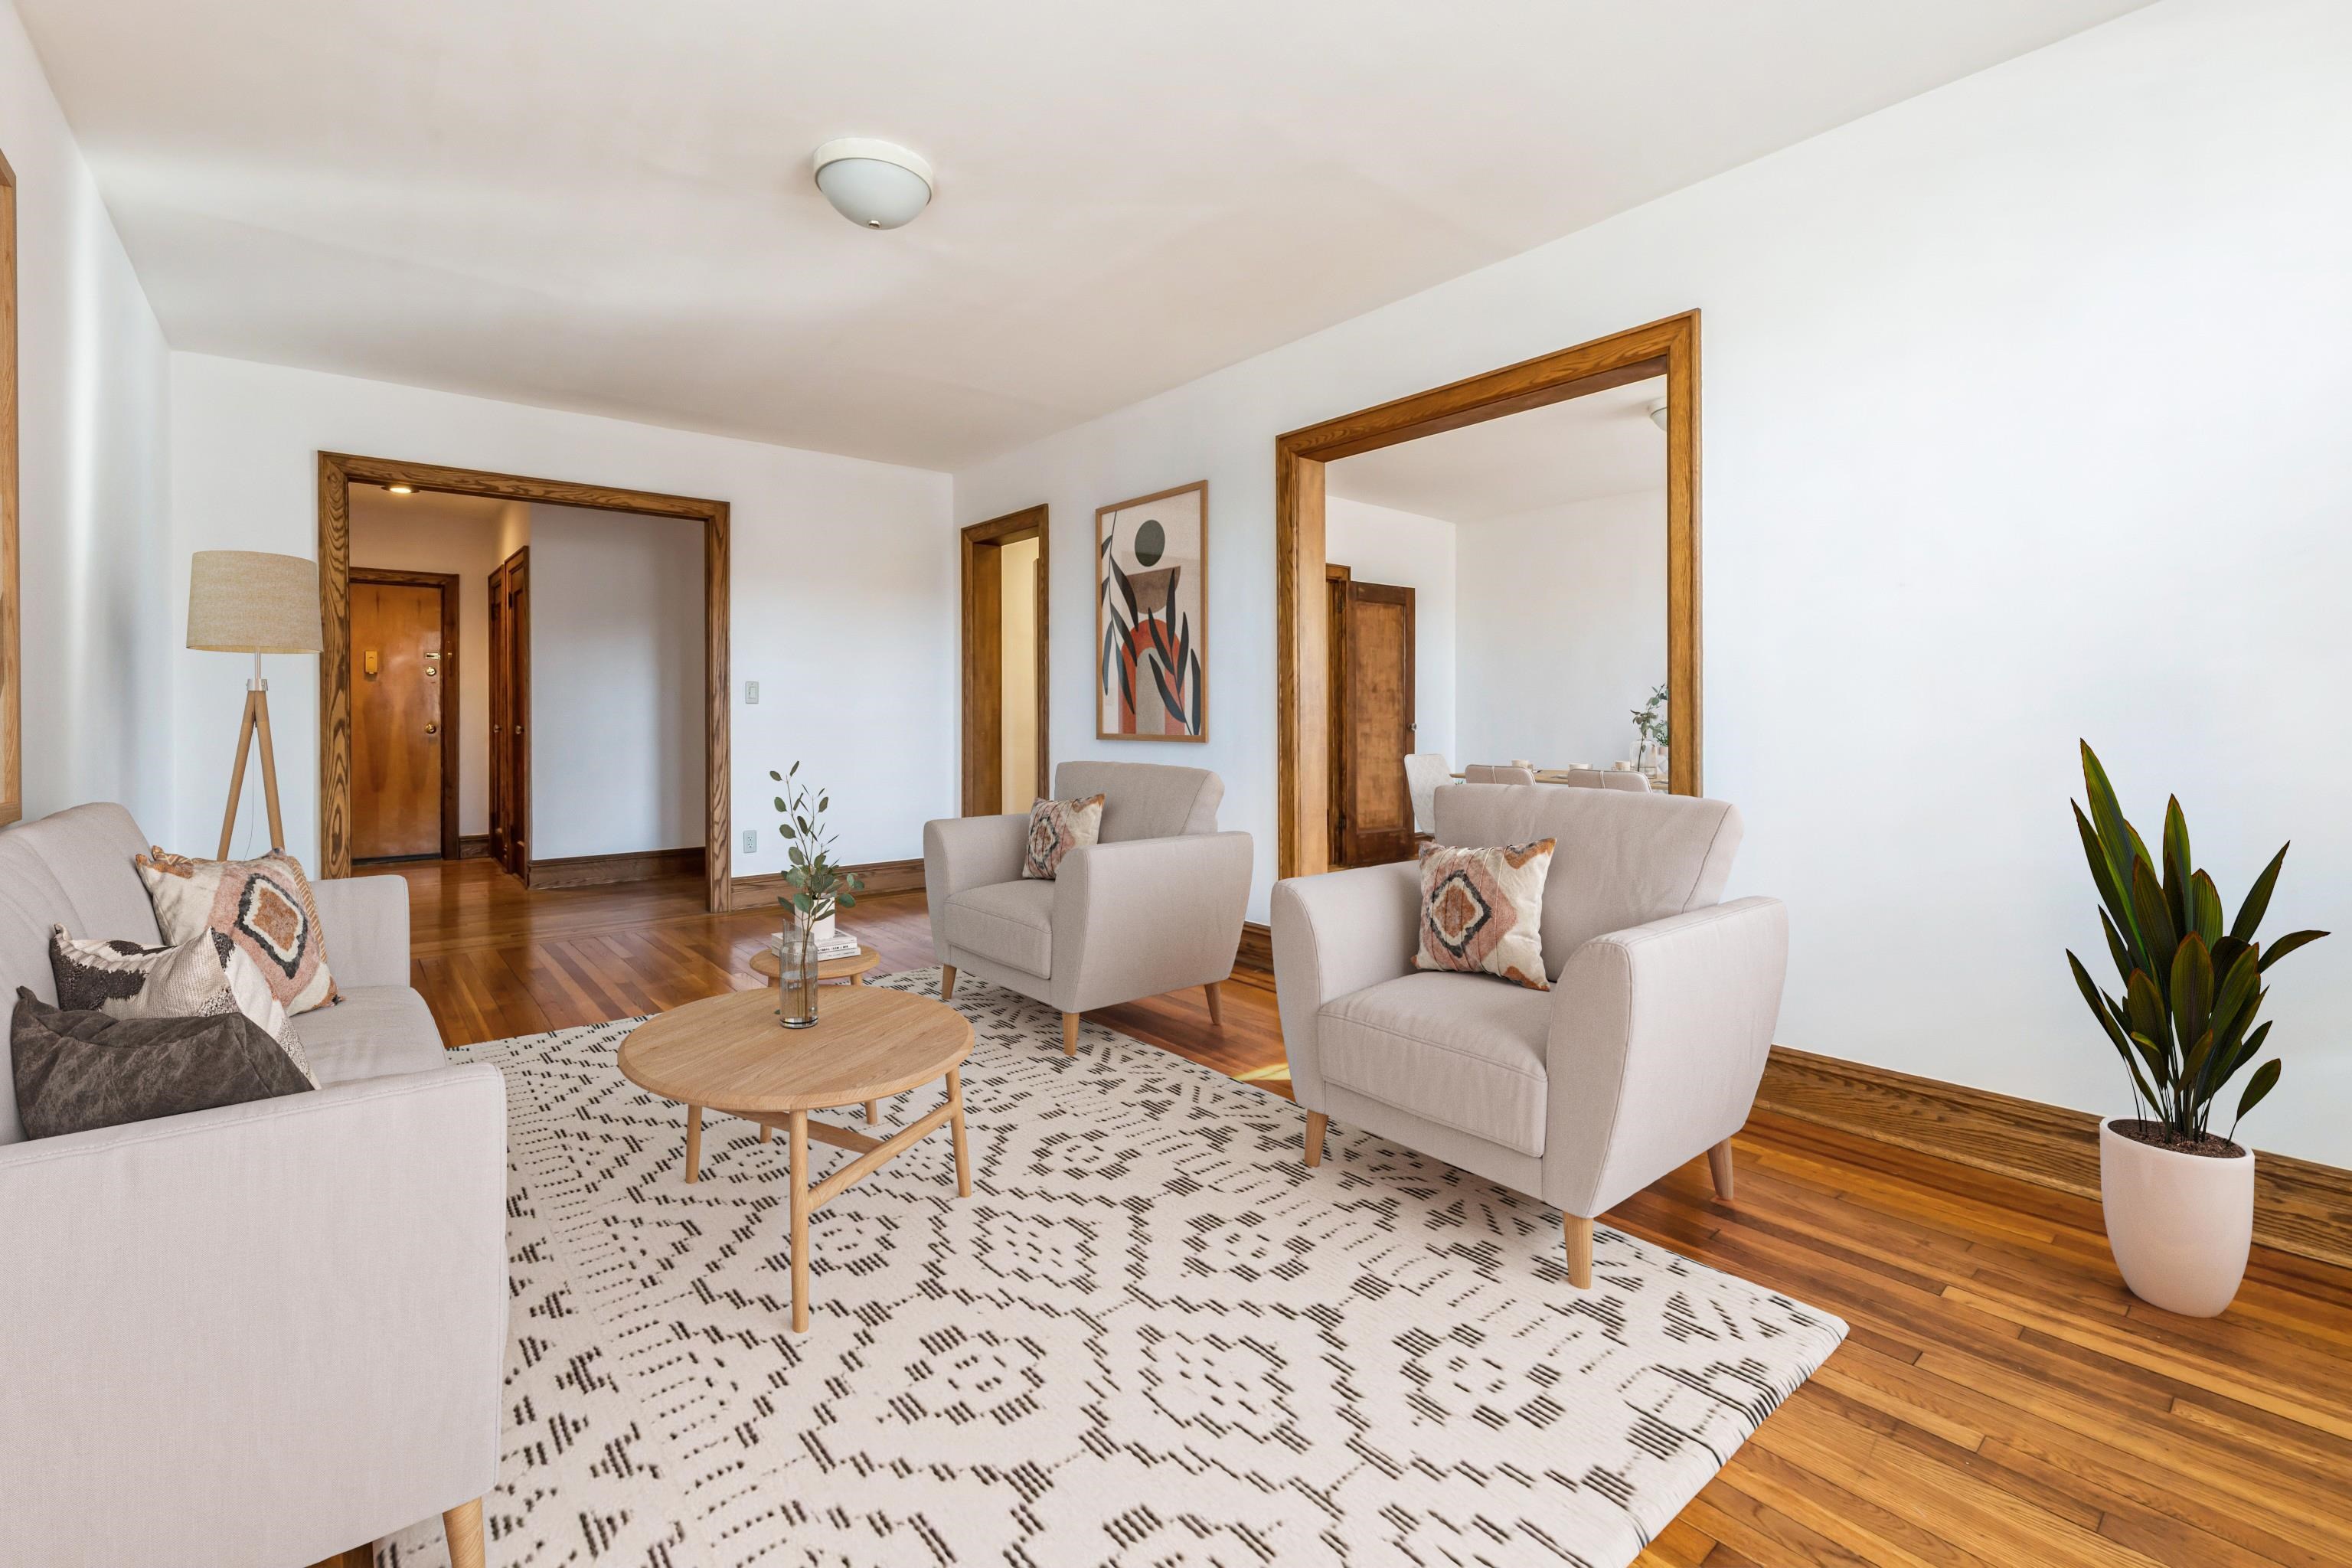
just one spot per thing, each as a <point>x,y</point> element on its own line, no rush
<point>1602,443</point>
<point>605,205</point>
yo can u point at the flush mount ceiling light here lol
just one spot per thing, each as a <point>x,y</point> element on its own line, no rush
<point>1658,413</point>
<point>876,184</point>
<point>401,489</point>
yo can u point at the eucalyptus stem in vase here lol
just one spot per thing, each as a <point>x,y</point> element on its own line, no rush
<point>820,884</point>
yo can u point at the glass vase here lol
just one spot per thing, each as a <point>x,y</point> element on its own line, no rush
<point>797,966</point>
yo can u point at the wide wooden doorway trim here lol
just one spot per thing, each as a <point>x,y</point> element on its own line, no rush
<point>337,470</point>
<point>982,649</point>
<point>1302,668</point>
<point>450,584</point>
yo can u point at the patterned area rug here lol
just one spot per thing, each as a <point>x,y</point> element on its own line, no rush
<point>1152,1336</point>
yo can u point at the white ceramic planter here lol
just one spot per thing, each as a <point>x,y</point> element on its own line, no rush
<point>2179,1224</point>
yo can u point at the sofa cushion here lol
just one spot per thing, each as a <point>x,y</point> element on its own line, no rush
<point>1145,800</point>
<point>202,977</point>
<point>90,849</point>
<point>377,1031</point>
<point>1459,1049</point>
<point>1620,861</point>
<point>263,905</point>
<point>77,1071</point>
<point>1012,923</point>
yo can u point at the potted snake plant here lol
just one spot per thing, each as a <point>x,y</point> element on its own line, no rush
<point>2179,1197</point>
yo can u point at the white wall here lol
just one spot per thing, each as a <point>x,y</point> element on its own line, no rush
<point>617,652</point>
<point>1563,617</point>
<point>2022,420</point>
<point>844,599</point>
<point>1018,562</point>
<point>1404,550</point>
<point>98,576</point>
<point>424,532</point>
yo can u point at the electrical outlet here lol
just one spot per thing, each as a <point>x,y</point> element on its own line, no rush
<point>752,693</point>
<point>751,841</point>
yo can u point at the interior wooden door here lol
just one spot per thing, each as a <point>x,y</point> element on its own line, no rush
<point>397,744</point>
<point>1372,722</point>
<point>494,661</point>
<point>511,713</point>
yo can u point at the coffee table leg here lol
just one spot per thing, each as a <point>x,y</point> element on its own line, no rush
<point>694,1142</point>
<point>872,1112</point>
<point>955,1125</point>
<point>799,1222</point>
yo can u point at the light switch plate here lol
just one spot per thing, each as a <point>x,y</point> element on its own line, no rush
<point>751,841</point>
<point>750,692</point>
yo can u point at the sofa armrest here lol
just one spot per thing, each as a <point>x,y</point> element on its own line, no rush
<point>1658,1038</point>
<point>961,852</point>
<point>363,924</point>
<point>1147,915</point>
<point>281,1324</point>
<point>1334,935</point>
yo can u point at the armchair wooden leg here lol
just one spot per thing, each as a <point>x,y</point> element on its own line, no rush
<point>1316,1122</point>
<point>463,1526</point>
<point>1579,1249</point>
<point>1069,1034</point>
<point>947,981</point>
<point>1719,1162</point>
<point>1216,1005</point>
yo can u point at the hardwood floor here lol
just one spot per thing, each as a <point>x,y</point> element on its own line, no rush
<point>2002,1401</point>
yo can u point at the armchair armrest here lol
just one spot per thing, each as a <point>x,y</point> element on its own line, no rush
<point>1147,915</point>
<point>1333,935</point>
<point>281,1324</point>
<point>1658,1038</point>
<point>961,852</point>
<point>363,925</point>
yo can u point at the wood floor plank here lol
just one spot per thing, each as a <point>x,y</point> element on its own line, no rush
<point>2000,1400</point>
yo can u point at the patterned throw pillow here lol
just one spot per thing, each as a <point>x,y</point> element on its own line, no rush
<point>1056,827</point>
<point>77,1071</point>
<point>1481,911</point>
<point>264,905</point>
<point>203,977</point>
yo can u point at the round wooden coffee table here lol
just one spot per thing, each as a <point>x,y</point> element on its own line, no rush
<point>766,964</point>
<point>731,1054</point>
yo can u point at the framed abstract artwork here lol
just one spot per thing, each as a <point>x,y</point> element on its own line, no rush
<point>1152,616</point>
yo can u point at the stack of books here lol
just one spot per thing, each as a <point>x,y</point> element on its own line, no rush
<point>840,945</point>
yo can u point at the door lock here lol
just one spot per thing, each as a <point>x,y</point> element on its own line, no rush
<point>431,728</point>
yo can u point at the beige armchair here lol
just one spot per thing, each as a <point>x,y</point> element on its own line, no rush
<point>1645,1053</point>
<point>1154,905</point>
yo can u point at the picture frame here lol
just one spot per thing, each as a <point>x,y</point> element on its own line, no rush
<point>1152,616</point>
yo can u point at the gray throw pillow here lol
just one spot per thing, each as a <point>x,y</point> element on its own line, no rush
<point>78,1071</point>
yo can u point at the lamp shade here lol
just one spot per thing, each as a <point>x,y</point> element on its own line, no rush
<point>244,600</point>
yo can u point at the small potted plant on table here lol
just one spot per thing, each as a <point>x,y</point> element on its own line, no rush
<point>2178,1198</point>
<point>820,886</point>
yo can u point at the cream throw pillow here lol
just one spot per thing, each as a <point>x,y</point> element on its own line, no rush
<point>1056,827</point>
<point>1481,911</point>
<point>263,906</point>
<point>203,977</point>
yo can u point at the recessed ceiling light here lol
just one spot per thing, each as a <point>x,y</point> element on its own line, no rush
<point>402,490</point>
<point>878,185</point>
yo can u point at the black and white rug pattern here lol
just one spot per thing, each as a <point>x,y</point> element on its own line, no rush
<point>1150,1336</point>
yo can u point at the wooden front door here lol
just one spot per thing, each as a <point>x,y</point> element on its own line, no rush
<point>401,756</point>
<point>1372,722</point>
<point>509,665</point>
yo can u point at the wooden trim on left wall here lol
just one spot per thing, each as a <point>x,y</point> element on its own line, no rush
<point>627,866</point>
<point>881,876</point>
<point>1253,965</point>
<point>338,470</point>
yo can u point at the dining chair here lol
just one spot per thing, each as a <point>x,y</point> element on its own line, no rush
<point>1424,772</point>
<point>1489,773</point>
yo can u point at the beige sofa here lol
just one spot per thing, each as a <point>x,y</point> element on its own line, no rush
<point>1645,1053</point>
<point>261,1334</point>
<point>1154,905</point>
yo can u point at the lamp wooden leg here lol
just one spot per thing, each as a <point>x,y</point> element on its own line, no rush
<point>799,1136</point>
<point>1718,1163</point>
<point>947,981</point>
<point>1316,1122</point>
<point>463,1527</point>
<point>694,1142</point>
<point>955,1126</point>
<point>269,770</point>
<point>1216,1004</point>
<point>1069,1034</point>
<point>236,778</point>
<point>1579,1231</point>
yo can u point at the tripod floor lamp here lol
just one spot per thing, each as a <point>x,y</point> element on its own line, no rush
<point>243,601</point>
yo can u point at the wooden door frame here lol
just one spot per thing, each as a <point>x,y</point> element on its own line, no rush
<point>448,582</point>
<point>338,470</point>
<point>1302,672</point>
<point>983,650</point>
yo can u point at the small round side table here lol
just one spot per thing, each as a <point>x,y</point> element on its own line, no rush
<point>767,963</point>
